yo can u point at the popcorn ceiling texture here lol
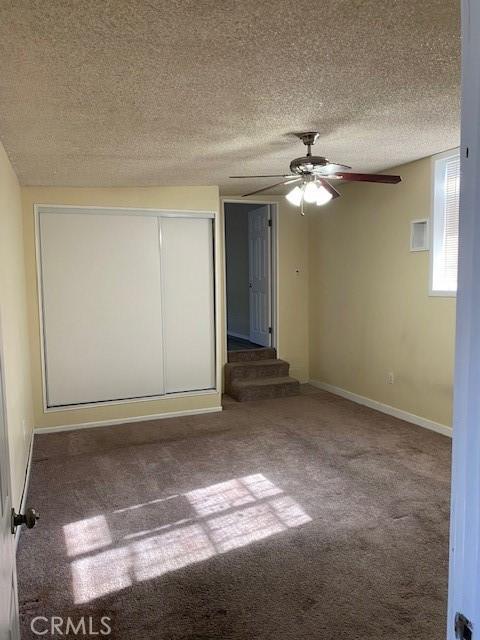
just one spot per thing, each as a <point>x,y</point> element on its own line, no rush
<point>187,92</point>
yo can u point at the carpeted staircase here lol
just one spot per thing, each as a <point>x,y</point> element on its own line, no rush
<point>257,374</point>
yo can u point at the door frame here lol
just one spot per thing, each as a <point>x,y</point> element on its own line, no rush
<point>273,264</point>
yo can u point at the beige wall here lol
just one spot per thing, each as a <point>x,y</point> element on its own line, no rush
<point>293,280</point>
<point>292,284</point>
<point>292,294</point>
<point>352,300</point>
<point>370,312</point>
<point>186,198</point>
<point>14,330</point>
<point>345,270</point>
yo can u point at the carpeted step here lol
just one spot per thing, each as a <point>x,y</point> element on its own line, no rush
<point>264,388</point>
<point>255,369</point>
<point>267,353</point>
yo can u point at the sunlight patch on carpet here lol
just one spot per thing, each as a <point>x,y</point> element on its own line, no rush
<point>87,535</point>
<point>224,516</point>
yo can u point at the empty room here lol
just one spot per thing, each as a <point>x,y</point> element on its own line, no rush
<point>239,319</point>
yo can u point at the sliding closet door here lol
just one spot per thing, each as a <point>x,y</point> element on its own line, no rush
<point>102,315</point>
<point>188,303</point>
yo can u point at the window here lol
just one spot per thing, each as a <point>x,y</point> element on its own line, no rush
<point>444,257</point>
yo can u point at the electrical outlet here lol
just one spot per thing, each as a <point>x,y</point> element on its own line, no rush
<point>390,377</point>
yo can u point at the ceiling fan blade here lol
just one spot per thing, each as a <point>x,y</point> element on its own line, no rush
<point>329,188</point>
<point>366,177</point>
<point>332,167</point>
<point>271,186</point>
<point>280,175</point>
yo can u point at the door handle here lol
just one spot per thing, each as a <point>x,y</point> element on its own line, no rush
<point>29,519</point>
<point>250,285</point>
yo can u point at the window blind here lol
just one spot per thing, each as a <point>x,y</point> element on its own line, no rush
<point>446,217</point>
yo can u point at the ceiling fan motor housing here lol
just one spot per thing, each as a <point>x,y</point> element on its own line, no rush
<point>308,164</point>
<point>308,137</point>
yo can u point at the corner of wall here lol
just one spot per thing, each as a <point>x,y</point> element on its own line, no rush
<point>370,313</point>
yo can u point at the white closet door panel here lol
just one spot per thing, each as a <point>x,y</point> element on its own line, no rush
<point>101,306</point>
<point>188,303</point>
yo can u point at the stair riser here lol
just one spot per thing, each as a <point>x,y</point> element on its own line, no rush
<point>279,369</point>
<point>251,355</point>
<point>246,394</point>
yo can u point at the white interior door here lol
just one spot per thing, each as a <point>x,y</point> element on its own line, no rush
<point>102,306</point>
<point>464,577</point>
<point>8,579</point>
<point>259,275</point>
<point>188,303</point>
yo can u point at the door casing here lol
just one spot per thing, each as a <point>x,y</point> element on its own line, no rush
<point>274,266</point>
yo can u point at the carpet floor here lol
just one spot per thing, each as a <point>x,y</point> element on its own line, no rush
<point>307,517</point>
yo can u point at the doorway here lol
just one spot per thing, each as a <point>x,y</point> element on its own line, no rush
<point>250,274</point>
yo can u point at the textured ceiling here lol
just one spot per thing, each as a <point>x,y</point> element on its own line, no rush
<point>138,92</point>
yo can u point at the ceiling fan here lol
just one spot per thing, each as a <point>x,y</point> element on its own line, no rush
<point>312,173</point>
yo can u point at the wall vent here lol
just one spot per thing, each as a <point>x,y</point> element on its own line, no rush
<point>419,235</point>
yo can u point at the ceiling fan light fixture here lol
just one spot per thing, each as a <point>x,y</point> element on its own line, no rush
<point>310,193</point>
<point>314,174</point>
<point>295,196</point>
<point>323,196</point>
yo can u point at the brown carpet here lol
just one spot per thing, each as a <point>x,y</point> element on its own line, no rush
<point>257,374</point>
<point>298,518</point>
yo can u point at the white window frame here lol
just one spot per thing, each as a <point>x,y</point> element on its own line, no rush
<point>433,227</point>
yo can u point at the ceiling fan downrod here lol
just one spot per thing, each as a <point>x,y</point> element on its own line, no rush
<point>308,138</point>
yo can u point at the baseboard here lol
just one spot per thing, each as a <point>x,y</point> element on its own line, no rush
<point>385,408</point>
<point>118,421</point>
<point>233,334</point>
<point>26,483</point>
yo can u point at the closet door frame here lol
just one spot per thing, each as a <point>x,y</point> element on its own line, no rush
<point>38,209</point>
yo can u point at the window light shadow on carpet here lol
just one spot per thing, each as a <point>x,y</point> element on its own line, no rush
<point>217,519</point>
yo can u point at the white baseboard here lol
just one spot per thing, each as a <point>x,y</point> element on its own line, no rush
<point>117,421</point>
<point>384,408</point>
<point>233,334</point>
<point>26,483</point>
